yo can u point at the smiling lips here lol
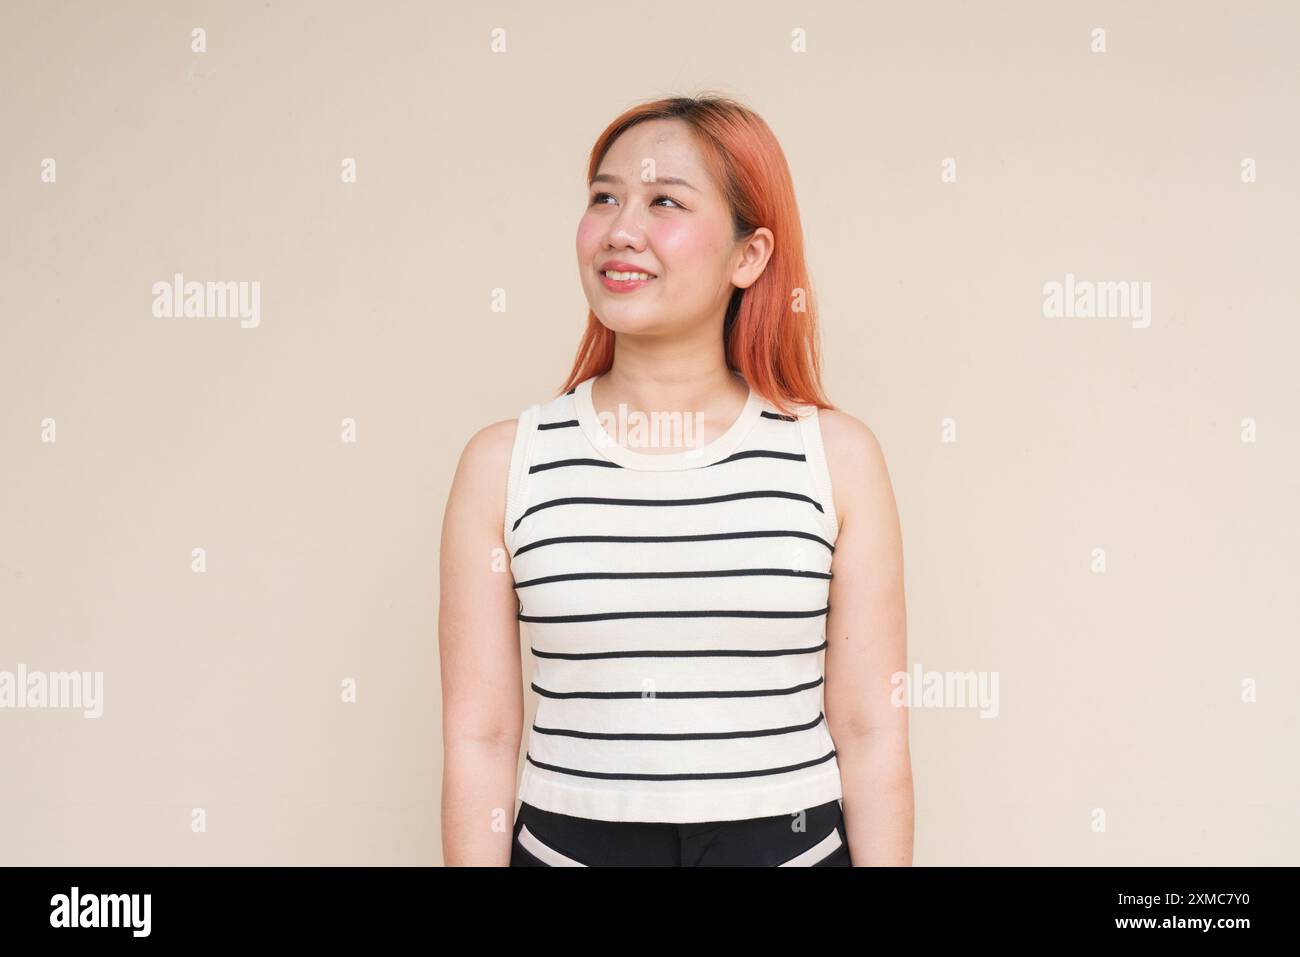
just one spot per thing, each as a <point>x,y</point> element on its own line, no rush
<point>619,276</point>
<point>618,265</point>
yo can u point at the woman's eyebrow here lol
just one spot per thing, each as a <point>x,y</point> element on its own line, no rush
<point>660,180</point>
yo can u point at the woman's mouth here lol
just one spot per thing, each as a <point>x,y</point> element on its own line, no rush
<point>617,281</point>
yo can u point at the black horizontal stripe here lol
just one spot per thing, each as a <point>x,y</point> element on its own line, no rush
<point>685,736</point>
<point>777,415</point>
<point>741,693</point>
<point>565,424</point>
<point>543,466</point>
<point>724,573</point>
<point>734,457</point>
<point>611,615</point>
<point>703,537</point>
<point>708,500</point>
<point>763,454</point>
<point>684,653</point>
<point>701,776</point>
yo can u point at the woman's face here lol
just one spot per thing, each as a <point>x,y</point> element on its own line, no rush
<point>653,207</point>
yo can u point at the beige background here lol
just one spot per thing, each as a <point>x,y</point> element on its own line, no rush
<point>1120,691</point>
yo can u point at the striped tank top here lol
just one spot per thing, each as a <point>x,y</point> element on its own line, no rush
<point>675,607</point>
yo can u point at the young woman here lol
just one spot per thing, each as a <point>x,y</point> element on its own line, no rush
<point>714,609</point>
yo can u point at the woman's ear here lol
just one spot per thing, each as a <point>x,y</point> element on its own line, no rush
<point>755,253</point>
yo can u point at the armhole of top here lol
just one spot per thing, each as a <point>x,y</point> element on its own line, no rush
<point>517,482</point>
<point>815,450</point>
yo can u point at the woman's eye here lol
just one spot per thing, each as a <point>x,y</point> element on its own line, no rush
<point>598,199</point>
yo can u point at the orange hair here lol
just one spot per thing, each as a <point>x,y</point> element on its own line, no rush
<point>773,346</point>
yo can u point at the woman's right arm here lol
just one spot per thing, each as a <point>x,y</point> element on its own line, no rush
<point>478,639</point>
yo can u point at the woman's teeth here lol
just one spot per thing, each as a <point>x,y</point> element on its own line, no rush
<point>623,276</point>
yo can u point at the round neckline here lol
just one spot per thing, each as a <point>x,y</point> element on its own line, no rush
<point>714,451</point>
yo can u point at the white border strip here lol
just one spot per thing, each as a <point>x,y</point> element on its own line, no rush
<point>548,855</point>
<point>818,852</point>
<point>815,450</point>
<point>520,459</point>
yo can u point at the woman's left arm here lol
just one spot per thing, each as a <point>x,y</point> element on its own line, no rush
<point>866,633</point>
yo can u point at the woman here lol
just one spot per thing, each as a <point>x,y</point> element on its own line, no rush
<point>714,611</point>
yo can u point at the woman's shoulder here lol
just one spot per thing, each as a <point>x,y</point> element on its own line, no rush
<point>484,464</point>
<point>848,434</point>
<point>859,473</point>
<point>491,445</point>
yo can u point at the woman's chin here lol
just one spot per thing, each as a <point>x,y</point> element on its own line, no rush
<point>631,326</point>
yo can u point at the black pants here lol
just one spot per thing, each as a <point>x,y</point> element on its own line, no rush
<point>814,837</point>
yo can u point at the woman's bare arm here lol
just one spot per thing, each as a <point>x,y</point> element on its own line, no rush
<point>866,633</point>
<point>478,639</point>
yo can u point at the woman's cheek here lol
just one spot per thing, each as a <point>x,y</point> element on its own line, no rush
<point>588,234</point>
<point>678,242</point>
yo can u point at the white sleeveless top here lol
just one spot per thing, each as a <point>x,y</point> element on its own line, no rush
<point>675,606</point>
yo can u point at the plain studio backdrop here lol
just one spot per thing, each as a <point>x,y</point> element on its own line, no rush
<point>235,522</point>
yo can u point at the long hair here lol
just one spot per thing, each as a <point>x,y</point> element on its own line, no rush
<point>770,331</point>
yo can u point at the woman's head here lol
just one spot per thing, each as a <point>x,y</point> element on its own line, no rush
<point>696,191</point>
<point>655,205</point>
